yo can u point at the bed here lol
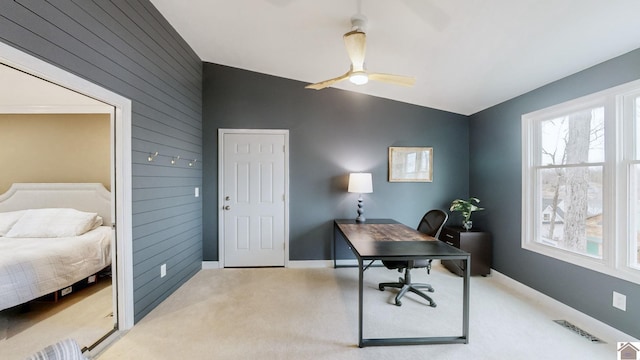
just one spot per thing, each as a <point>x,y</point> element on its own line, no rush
<point>52,235</point>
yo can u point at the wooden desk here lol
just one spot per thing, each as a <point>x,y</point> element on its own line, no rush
<point>386,239</point>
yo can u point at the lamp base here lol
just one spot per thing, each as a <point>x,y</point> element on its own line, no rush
<point>360,217</point>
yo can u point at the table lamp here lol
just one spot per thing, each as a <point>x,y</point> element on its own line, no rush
<point>360,183</point>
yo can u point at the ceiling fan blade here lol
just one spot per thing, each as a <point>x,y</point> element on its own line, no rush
<point>355,42</point>
<point>327,83</point>
<point>393,79</point>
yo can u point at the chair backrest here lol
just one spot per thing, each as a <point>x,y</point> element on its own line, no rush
<point>432,222</point>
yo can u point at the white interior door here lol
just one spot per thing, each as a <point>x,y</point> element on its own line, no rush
<point>254,199</point>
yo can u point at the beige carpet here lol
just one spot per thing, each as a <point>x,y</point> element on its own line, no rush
<point>276,313</point>
<point>85,316</point>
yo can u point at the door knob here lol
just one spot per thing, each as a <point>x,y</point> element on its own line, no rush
<point>227,207</point>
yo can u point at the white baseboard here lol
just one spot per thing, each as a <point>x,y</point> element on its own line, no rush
<point>309,264</point>
<point>563,311</point>
<point>296,264</point>
<point>302,264</point>
<point>206,265</point>
<point>525,290</point>
<point>346,262</point>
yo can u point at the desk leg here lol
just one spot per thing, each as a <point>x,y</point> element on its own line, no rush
<point>335,230</point>
<point>465,301</point>
<point>360,302</point>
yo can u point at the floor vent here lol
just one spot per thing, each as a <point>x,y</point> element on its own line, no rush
<point>577,330</point>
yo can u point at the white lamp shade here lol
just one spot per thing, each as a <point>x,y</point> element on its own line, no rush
<point>360,183</point>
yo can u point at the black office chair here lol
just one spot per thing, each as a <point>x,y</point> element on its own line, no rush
<point>431,224</point>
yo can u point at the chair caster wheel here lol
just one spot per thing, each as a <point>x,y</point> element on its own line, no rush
<point>433,304</point>
<point>381,287</point>
<point>398,303</point>
<point>430,290</point>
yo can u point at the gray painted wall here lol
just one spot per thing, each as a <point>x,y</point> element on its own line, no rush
<point>332,133</point>
<point>129,48</point>
<point>495,177</point>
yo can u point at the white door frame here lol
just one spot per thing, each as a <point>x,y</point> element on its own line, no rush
<point>221,133</point>
<point>121,187</point>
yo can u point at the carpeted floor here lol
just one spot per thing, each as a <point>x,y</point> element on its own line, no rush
<point>277,313</point>
<point>85,315</point>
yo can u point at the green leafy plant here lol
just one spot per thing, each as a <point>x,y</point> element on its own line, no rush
<point>466,207</point>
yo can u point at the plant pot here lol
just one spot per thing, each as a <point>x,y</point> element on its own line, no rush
<point>467,225</point>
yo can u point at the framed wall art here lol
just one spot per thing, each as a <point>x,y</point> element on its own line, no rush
<point>410,164</point>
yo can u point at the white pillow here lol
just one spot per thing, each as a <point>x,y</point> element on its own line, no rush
<point>39,223</point>
<point>8,219</point>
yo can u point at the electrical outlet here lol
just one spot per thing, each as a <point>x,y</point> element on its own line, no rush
<point>619,301</point>
<point>163,270</point>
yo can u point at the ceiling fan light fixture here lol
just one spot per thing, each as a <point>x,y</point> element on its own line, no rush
<point>355,44</point>
<point>359,78</point>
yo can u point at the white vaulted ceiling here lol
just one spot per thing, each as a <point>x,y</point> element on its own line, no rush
<point>466,55</point>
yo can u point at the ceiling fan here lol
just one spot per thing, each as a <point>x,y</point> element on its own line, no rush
<point>355,42</point>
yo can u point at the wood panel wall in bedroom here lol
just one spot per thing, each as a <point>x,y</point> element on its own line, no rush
<point>54,148</point>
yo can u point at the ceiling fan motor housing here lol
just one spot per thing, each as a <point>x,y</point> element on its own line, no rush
<point>359,22</point>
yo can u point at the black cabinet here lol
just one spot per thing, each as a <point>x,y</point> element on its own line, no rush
<point>476,243</point>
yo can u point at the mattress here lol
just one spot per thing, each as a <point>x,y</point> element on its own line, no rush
<point>33,267</point>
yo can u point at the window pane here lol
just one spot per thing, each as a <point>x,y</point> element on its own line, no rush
<point>573,139</point>
<point>634,242</point>
<point>571,209</point>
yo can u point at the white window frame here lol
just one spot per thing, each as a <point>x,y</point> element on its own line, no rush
<point>619,148</point>
<point>628,158</point>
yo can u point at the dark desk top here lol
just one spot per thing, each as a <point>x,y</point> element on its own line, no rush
<point>391,240</point>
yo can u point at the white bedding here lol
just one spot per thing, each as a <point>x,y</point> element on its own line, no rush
<point>33,267</point>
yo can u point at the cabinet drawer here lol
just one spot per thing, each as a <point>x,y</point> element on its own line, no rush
<point>450,237</point>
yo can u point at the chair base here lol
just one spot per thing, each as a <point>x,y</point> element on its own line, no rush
<point>406,286</point>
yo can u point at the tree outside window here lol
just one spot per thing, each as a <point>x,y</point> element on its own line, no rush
<point>571,174</point>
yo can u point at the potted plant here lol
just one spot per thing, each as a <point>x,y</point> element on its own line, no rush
<point>466,207</point>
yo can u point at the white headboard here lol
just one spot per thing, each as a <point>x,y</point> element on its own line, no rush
<point>89,197</point>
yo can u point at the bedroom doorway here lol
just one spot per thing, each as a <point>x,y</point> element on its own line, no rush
<point>66,142</point>
<point>90,99</point>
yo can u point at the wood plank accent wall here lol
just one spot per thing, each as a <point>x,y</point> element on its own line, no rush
<point>129,48</point>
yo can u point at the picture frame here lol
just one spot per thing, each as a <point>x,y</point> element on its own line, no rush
<point>410,164</point>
